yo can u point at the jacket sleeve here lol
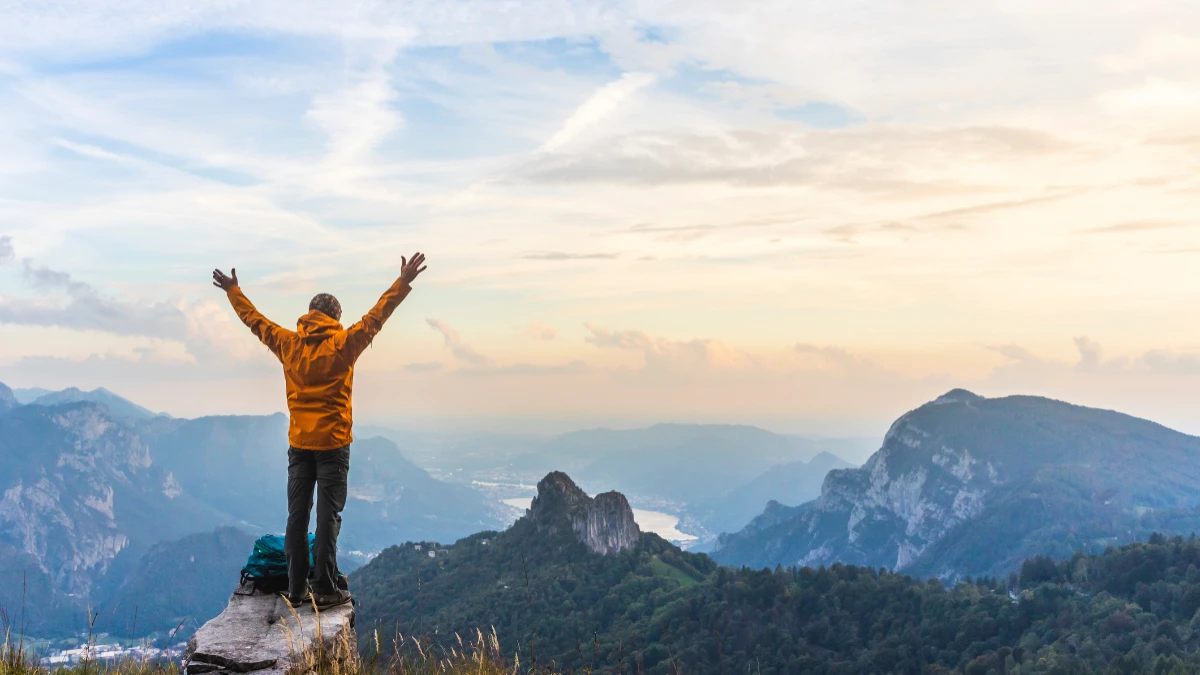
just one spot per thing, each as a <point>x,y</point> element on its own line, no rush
<point>271,334</point>
<point>360,335</point>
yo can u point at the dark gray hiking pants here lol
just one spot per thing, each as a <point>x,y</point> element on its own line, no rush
<point>327,471</point>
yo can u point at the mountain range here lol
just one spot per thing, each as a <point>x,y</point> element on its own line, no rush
<point>968,486</point>
<point>93,482</point>
<point>86,493</point>
<point>117,406</point>
<point>788,483</point>
<point>95,506</point>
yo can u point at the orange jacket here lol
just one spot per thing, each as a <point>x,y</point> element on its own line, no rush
<point>318,365</point>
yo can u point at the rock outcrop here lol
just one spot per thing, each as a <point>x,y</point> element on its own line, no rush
<point>258,633</point>
<point>604,523</point>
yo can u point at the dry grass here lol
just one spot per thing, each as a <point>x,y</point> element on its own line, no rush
<point>340,655</point>
<point>479,655</point>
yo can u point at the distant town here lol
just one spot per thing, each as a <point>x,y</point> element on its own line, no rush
<point>111,652</point>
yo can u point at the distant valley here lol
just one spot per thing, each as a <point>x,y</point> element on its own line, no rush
<point>713,478</point>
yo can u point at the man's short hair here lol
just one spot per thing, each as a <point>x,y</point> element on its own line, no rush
<point>328,305</point>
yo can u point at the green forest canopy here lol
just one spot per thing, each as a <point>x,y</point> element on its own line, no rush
<point>656,609</point>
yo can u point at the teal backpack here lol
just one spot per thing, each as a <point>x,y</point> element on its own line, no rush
<point>266,568</point>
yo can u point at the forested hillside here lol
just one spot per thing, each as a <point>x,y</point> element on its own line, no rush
<point>660,610</point>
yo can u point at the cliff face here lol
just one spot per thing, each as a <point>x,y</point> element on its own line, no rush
<point>605,524</point>
<point>62,509</point>
<point>77,488</point>
<point>966,485</point>
<point>7,400</point>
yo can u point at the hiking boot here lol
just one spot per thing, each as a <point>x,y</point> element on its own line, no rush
<point>296,603</point>
<point>328,600</point>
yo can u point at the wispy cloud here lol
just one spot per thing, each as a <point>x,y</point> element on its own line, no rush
<point>358,117</point>
<point>457,347</point>
<point>83,307</point>
<point>424,367</point>
<point>600,105</point>
<point>661,353</point>
<point>1175,251</point>
<point>695,231</point>
<point>540,331</point>
<point>202,327</point>
<point>561,255</point>
<point>1135,226</point>
<point>992,207</point>
<point>577,367</point>
<point>1157,362</point>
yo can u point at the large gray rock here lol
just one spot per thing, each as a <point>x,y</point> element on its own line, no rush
<point>259,633</point>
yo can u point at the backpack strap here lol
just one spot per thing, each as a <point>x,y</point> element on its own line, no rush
<point>242,584</point>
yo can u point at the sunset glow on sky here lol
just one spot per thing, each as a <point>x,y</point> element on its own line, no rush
<point>811,216</point>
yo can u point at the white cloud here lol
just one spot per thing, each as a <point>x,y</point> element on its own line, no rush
<point>877,159</point>
<point>357,117</point>
<point>604,102</point>
<point>1091,354</point>
<point>203,327</point>
<point>457,347</point>
<point>313,143</point>
<point>540,331</point>
<point>1157,93</point>
<point>423,367</point>
<point>686,356</point>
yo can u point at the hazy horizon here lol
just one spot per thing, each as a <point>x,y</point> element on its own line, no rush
<point>805,217</point>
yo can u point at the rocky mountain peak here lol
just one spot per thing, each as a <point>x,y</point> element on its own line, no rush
<point>961,472</point>
<point>605,523</point>
<point>957,396</point>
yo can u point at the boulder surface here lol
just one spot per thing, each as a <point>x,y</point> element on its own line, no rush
<point>259,633</point>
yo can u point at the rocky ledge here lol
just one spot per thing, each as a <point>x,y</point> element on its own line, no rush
<point>259,633</point>
<point>604,523</point>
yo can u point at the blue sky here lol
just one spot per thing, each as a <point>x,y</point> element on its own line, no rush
<point>812,216</point>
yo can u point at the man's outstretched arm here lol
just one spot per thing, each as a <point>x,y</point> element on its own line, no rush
<point>360,335</point>
<point>270,333</point>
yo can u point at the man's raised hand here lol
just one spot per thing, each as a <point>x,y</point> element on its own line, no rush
<point>409,269</point>
<point>223,282</point>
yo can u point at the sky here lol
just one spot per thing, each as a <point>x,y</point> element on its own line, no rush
<point>810,216</point>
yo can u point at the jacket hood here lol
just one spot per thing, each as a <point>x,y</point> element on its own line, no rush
<point>316,326</point>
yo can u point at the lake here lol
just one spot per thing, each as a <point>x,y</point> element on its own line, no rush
<point>664,525</point>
